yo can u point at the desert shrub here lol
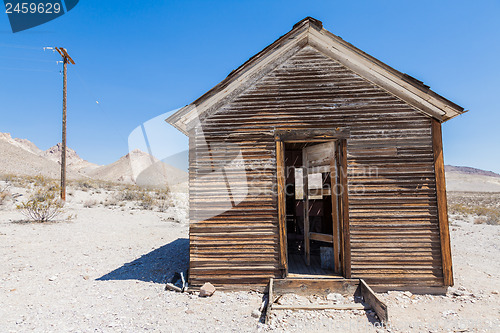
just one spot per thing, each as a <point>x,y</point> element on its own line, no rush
<point>15,180</point>
<point>484,207</point>
<point>4,194</point>
<point>146,201</point>
<point>145,198</point>
<point>89,203</point>
<point>110,202</point>
<point>128,195</point>
<point>43,205</point>
<point>84,185</point>
<point>163,199</point>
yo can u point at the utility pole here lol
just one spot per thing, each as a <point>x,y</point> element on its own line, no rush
<point>66,58</point>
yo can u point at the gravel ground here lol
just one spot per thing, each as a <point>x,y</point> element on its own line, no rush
<point>105,270</point>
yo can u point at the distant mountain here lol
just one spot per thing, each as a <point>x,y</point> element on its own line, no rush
<point>140,168</point>
<point>73,161</point>
<point>470,171</point>
<point>22,157</point>
<point>21,143</point>
<point>467,179</point>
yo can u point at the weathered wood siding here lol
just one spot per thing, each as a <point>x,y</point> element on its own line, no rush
<point>391,182</point>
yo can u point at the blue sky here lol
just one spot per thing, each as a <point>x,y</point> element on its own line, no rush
<point>141,59</point>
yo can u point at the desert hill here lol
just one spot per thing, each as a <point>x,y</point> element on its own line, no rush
<point>140,168</point>
<point>22,157</point>
<point>470,171</point>
<point>73,161</point>
<point>467,179</point>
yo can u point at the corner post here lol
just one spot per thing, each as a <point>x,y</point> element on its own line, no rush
<point>442,206</point>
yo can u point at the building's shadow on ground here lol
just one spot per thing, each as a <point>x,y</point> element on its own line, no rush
<point>155,266</point>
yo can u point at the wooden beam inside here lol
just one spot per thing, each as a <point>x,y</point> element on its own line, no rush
<point>321,237</point>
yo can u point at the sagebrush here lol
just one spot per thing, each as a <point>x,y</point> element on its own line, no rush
<point>43,205</point>
<point>4,193</point>
<point>484,207</point>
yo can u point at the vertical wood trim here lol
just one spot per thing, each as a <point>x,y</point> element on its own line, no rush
<point>280,174</point>
<point>345,210</point>
<point>338,196</point>
<point>191,182</point>
<point>442,206</point>
<point>307,241</point>
<point>335,216</point>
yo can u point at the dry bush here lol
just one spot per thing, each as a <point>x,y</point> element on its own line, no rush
<point>4,194</point>
<point>89,203</point>
<point>83,185</point>
<point>163,199</point>
<point>127,195</point>
<point>110,202</point>
<point>485,207</point>
<point>92,184</point>
<point>43,205</point>
<point>146,201</point>
<point>149,199</point>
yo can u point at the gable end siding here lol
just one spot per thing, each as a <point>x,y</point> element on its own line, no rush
<point>391,181</point>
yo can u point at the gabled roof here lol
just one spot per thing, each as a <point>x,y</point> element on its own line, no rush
<point>310,31</point>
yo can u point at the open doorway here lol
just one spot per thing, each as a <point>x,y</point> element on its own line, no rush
<point>312,208</point>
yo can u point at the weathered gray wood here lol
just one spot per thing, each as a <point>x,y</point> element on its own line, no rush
<point>442,204</point>
<point>280,174</point>
<point>305,182</point>
<point>321,237</point>
<point>356,306</point>
<point>373,302</point>
<point>315,286</point>
<point>270,300</point>
<point>386,194</point>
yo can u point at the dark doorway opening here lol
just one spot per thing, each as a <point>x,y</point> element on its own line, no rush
<point>311,202</point>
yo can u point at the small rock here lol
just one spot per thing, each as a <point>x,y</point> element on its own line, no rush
<point>449,313</point>
<point>456,292</point>
<point>207,290</point>
<point>86,277</point>
<point>256,313</point>
<point>189,311</point>
<point>495,292</point>
<point>335,297</point>
<point>53,278</point>
<point>408,294</point>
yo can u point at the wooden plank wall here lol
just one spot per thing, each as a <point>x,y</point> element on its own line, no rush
<point>394,228</point>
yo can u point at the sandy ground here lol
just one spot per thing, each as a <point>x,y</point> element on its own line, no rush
<point>104,271</point>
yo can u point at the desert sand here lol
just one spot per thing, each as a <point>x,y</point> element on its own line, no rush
<point>105,271</point>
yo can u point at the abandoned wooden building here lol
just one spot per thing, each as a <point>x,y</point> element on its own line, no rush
<point>314,159</point>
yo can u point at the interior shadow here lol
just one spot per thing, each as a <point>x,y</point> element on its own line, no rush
<point>156,266</point>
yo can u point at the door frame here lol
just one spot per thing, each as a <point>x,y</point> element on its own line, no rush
<point>314,135</point>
